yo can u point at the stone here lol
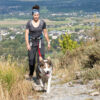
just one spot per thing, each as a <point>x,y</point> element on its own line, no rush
<point>94,94</point>
<point>30,98</point>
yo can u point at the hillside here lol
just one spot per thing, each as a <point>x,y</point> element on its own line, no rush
<point>71,77</point>
<point>50,5</point>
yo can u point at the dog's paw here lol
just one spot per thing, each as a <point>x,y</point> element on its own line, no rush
<point>47,91</point>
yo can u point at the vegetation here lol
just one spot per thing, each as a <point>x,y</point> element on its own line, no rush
<point>84,60</point>
<point>68,60</point>
<point>13,86</point>
<point>66,43</point>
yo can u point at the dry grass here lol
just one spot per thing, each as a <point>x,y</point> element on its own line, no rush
<point>20,22</point>
<point>13,86</point>
<point>19,91</point>
<point>96,85</point>
<point>85,59</point>
<point>90,74</point>
<point>87,55</point>
<point>89,99</point>
<point>66,74</point>
<point>12,22</point>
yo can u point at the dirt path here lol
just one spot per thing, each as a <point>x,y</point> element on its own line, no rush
<point>69,91</point>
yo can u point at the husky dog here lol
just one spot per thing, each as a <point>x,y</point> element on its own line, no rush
<point>44,73</point>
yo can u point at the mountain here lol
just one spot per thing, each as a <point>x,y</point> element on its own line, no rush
<point>7,6</point>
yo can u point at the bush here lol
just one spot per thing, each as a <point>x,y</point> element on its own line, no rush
<point>66,43</point>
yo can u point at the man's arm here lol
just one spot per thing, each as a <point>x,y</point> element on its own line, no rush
<point>46,35</point>
<point>26,36</point>
<point>27,39</point>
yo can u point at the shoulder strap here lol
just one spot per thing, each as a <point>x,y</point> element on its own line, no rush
<point>30,21</point>
<point>41,22</point>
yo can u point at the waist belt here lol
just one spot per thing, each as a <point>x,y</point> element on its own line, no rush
<point>39,43</point>
<point>37,40</point>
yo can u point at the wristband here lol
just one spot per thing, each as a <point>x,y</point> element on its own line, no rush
<point>49,42</point>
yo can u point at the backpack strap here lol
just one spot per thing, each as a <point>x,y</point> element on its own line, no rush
<point>41,23</point>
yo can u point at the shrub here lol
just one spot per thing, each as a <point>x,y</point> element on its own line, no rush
<point>66,43</point>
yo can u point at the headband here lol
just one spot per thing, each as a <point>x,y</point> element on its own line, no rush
<point>35,11</point>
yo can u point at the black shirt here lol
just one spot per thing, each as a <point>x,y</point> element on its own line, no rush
<point>35,31</point>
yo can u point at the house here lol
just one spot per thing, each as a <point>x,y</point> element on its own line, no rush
<point>0,37</point>
<point>12,37</point>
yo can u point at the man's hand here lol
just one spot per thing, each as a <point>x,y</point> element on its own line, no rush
<point>40,58</point>
<point>28,47</point>
<point>49,46</point>
<point>47,38</point>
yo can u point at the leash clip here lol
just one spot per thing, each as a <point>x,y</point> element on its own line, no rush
<point>30,42</point>
<point>40,43</point>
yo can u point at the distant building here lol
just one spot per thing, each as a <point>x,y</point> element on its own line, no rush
<point>0,37</point>
<point>12,37</point>
<point>54,37</point>
<point>19,32</point>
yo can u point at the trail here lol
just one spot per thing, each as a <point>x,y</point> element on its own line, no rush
<point>69,91</point>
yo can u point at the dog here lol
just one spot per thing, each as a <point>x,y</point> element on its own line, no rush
<point>44,72</point>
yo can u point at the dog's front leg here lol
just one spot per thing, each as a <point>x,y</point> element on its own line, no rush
<point>49,83</point>
<point>41,83</point>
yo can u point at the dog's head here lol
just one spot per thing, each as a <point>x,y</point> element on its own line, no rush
<point>46,66</point>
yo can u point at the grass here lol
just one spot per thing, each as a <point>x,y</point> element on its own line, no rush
<point>85,60</point>
<point>91,74</point>
<point>13,86</point>
<point>66,74</point>
<point>96,85</point>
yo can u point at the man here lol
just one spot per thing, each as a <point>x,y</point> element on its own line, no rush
<point>34,39</point>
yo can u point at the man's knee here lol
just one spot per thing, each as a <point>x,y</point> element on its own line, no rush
<point>31,62</point>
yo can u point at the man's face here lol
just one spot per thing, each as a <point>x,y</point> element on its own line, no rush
<point>36,16</point>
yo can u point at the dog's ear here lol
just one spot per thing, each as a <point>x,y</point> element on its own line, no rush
<point>41,61</point>
<point>49,61</point>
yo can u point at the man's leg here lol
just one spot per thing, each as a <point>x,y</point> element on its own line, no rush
<point>37,70</point>
<point>32,55</point>
<point>32,67</point>
<point>42,51</point>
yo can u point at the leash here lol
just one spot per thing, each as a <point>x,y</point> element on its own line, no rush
<point>39,50</point>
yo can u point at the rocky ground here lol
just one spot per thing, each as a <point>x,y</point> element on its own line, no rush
<point>68,91</point>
